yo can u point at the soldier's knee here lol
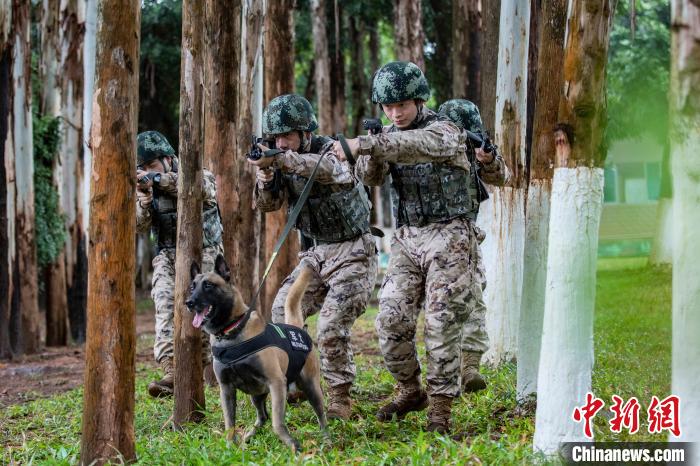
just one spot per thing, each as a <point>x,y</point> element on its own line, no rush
<point>390,321</point>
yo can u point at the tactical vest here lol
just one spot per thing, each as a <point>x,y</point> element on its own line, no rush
<point>290,339</point>
<point>164,222</point>
<point>431,192</point>
<point>329,215</point>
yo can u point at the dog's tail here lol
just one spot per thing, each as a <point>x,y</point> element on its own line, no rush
<point>293,314</point>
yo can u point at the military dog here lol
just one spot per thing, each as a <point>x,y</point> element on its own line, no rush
<point>252,355</point>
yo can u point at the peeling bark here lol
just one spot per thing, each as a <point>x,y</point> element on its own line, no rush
<point>408,32</point>
<point>547,93</point>
<point>189,386</point>
<point>110,359</point>
<point>566,356</point>
<point>279,80</point>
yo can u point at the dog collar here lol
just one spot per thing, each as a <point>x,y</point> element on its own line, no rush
<point>233,325</point>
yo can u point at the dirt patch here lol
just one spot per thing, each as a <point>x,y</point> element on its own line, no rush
<point>59,369</point>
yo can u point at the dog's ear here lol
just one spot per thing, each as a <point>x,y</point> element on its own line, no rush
<point>221,268</point>
<point>194,270</point>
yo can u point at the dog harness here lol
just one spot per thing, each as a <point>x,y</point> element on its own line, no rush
<point>292,340</point>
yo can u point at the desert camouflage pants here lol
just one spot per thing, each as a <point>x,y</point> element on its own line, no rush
<point>435,267</point>
<point>163,294</point>
<point>339,293</point>
<point>474,336</point>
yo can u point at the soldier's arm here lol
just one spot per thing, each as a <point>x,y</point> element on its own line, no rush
<point>437,142</point>
<point>495,172</point>
<point>168,183</point>
<point>267,200</point>
<point>330,169</point>
<point>143,218</point>
<point>208,189</point>
<point>371,172</point>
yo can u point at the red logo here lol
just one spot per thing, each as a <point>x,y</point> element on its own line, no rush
<point>663,415</point>
<point>587,412</point>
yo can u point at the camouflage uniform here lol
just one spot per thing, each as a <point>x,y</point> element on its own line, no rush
<point>434,260</point>
<point>344,255</point>
<point>163,207</point>
<point>474,337</point>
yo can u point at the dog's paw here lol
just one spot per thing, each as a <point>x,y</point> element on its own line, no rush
<point>232,437</point>
<point>249,435</point>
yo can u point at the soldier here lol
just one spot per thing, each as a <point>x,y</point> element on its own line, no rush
<point>434,252</point>
<point>156,206</point>
<point>335,219</point>
<point>475,340</point>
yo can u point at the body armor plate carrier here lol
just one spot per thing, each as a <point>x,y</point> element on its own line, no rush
<point>164,224</point>
<point>431,192</point>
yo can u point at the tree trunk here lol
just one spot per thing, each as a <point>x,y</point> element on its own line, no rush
<point>108,407</point>
<point>503,217</point>
<point>247,223</point>
<point>490,23</point>
<point>189,386</point>
<point>548,92</point>
<point>358,79</point>
<point>49,58</point>
<point>408,32</point>
<point>374,45</point>
<point>662,247</point>
<point>466,49</point>
<point>27,291</point>
<point>322,71</point>
<point>685,107</point>
<point>566,358</point>
<point>338,72</point>
<point>279,80</point>
<point>437,25</point>
<point>71,194</point>
<point>222,62</point>
<point>7,332</point>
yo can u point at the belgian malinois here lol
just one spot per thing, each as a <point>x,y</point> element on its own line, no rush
<point>246,356</point>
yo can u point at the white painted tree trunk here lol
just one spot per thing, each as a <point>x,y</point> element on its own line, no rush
<point>685,159</point>
<point>89,51</point>
<point>534,282</point>
<point>566,358</point>
<point>503,218</point>
<point>662,249</point>
<point>504,221</point>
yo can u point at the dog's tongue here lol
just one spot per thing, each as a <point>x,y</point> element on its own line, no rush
<point>198,319</point>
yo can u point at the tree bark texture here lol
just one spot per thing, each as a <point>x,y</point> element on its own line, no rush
<point>108,406</point>
<point>322,71</point>
<point>189,385</point>
<point>548,62</point>
<point>221,73</point>
<point>685,111</point>
<point>566,357</point>
<point>466,49</point>
<point>247,224</point>
<point>49,58</point>
<point>490,23</point>
<point>408,32</point>
<point>27,290</point>
<point>338,70</point>
<point>358,85</point>
<point>279,80</point>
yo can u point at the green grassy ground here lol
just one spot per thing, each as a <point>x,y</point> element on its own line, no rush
<point>632,342</point>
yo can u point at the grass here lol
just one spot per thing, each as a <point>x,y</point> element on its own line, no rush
<point>632,344</point>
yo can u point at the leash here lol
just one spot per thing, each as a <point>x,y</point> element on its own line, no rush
<point>291,221</point>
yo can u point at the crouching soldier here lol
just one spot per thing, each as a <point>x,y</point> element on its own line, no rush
<point>434,252</point>
<point>156,207</point>
<point>335,220</point>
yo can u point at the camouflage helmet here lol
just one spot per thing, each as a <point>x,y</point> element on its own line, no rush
<point>152,145</point>
<point>397,81</point>
<point>463,113</point>
<point>289,112</point>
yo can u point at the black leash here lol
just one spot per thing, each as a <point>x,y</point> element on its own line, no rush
<point>291,220</point>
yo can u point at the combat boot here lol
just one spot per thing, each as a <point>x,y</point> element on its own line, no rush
<point>440,414</point>
<point>164,386</point>
<point>409,397</point>
<point>472,381</point>
<point>339,403</point>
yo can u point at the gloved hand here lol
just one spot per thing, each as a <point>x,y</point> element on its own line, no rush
<point>145,197</point>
